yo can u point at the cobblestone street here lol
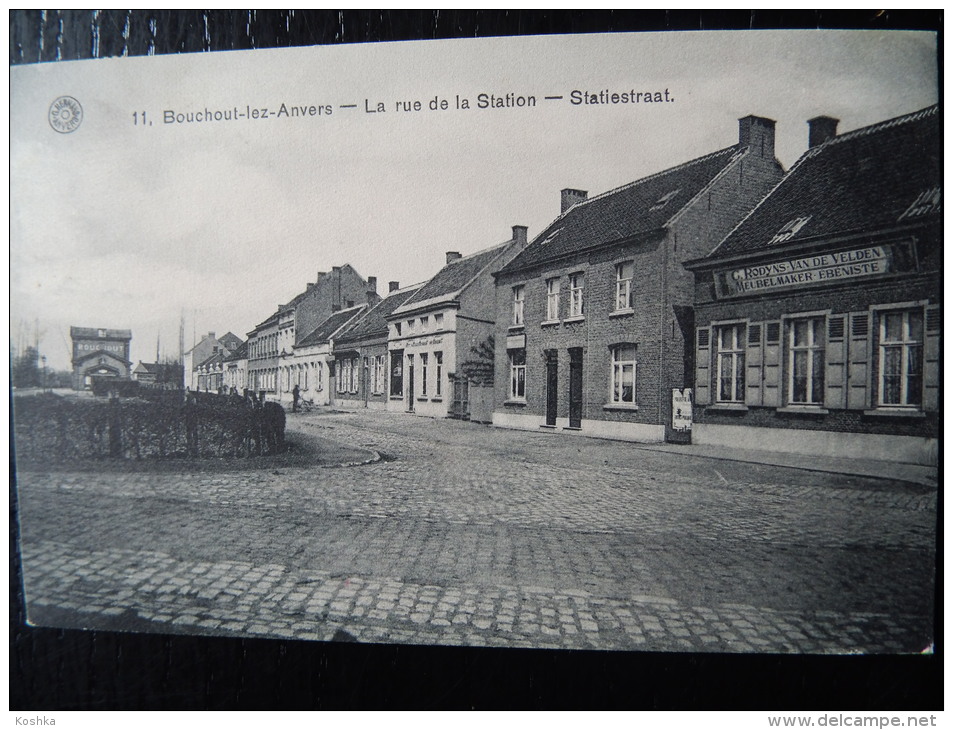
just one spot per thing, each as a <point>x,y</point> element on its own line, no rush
<point>468,535</point>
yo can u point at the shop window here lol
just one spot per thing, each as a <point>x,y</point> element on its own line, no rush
<point>622,383</point>
<point>552,300</point>
<point>623,285</point>
<point>438,373</point>
<point>519,292</point>
<point>730,374</point>
<point>517,374</point>
<point>397,373</point>
<point>576,283</point>
<point>806,361</point>
<point>901,358</point>
<point>424,367</point>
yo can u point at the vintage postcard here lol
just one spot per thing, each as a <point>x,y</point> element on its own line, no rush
<point>620,342</point>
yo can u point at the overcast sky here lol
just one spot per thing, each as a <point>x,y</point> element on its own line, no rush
<point>129,226</point>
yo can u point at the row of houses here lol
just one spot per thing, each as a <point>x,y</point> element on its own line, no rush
<point>794,310</point>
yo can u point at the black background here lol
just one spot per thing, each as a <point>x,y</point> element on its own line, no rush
<point>66,670</point>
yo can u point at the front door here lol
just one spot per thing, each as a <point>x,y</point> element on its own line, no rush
<point>575,387</point>
<point>552,386</point>
<point>410,383</point>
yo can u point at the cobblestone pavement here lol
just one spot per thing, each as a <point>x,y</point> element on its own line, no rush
<point>469,535</point>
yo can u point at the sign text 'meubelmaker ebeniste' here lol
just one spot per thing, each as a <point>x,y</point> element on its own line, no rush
<point>816,269</point>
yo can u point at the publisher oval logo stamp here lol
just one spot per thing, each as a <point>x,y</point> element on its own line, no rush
<point>66,115</point>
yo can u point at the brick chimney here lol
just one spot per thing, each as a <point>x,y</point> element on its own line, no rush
<point>519,236</point>
<point>569,197</point>
<point>820,129</point>
<point>372,283</point>
<point>453,256</point>
<point>212,335</point>
<point>393,285</point>
<point>758,134</point>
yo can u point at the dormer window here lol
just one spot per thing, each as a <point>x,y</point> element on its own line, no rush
<point>789,230</point>
<point>926,202</point>
<point>664,200</point>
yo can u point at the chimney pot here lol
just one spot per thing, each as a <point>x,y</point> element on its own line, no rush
<point>820,129</point>
<point>568,197</point>
<point>758,134</point>
<point>519,236</point>
<point>212,335</point>
<point>393,285</point>
<point>453,256</point>
<point>372,283</point>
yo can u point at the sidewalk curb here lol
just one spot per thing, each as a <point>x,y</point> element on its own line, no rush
<point>915,480</point>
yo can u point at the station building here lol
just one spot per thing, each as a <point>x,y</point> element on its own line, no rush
<point>818,316</point>
<point>594,316</point>
<point>100,353</point>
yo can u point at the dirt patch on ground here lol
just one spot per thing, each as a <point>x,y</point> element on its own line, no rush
<point>303,450</point>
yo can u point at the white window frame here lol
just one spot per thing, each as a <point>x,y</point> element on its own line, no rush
<point>906,344</point>
<point>552,299</point>
<point>517,374</point>
<point>424,366</point>
<point>438,372</point>
<point>577,285</point>
<point>736,355</point>
<point>817,326</point>
<point>617,379</point>
<point>519,294</point>
<point>623,285</point>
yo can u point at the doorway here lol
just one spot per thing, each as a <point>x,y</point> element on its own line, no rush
<point>575,387</point>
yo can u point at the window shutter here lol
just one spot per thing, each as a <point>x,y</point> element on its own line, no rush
<point>754,354</point>
<point>858,361</point>
<point>835,362</point>
<point>703,366</point>
<point>931,360</point>
<point>772,364</point>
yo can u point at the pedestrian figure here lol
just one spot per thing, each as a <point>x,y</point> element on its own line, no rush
<point>295,395</point>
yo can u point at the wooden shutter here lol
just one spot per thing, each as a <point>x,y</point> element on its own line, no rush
<point>835,362</point>
<point>931,360</point>
<point>858,361</point>
<point>754,361</point>
<point>703,366</point>
<point>771,395</point>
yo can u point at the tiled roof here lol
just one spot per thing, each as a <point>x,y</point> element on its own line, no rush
<point>230,341</point>
<point>374,322</point>
<point>325,331</point>
<point>864,180</point>
<point>239,353</point>
<point>453,278</point>
<point>638,208</point>
<point>148,367</point>
<point>211,359</point>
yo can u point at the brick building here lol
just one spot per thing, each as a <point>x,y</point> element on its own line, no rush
<point>593,316</point>
<point>360,353</point>
<point>100,353</point>
<point>440,340</point>
<point>271,344</point>
<point>312,366</point>
<point>818,317</point>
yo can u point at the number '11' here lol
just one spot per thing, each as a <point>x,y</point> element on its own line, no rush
<point>139,118</point>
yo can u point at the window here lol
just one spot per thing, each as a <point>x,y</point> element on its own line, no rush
<point>575,295</point>
<point>397,328</point>
<point>424,362</point>
<point>355,374</point>
<point>438,372</point>
<point>438,321</point>
<point>518,374</point>
<point>552,300</point>
<point>623,285</point>
<point>901,358</point>
<point>410,325</point>
<point>344,375</point>
<point>518,294</point>
<point>424,324</point>
<point>397,373</point>
<point>622,387</point>
<point>731,363</point>
<point>379,374</point>
<point>806,362</point>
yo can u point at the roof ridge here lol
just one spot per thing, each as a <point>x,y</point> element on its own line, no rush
<point>870,129</point>
<point>641,180</point>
